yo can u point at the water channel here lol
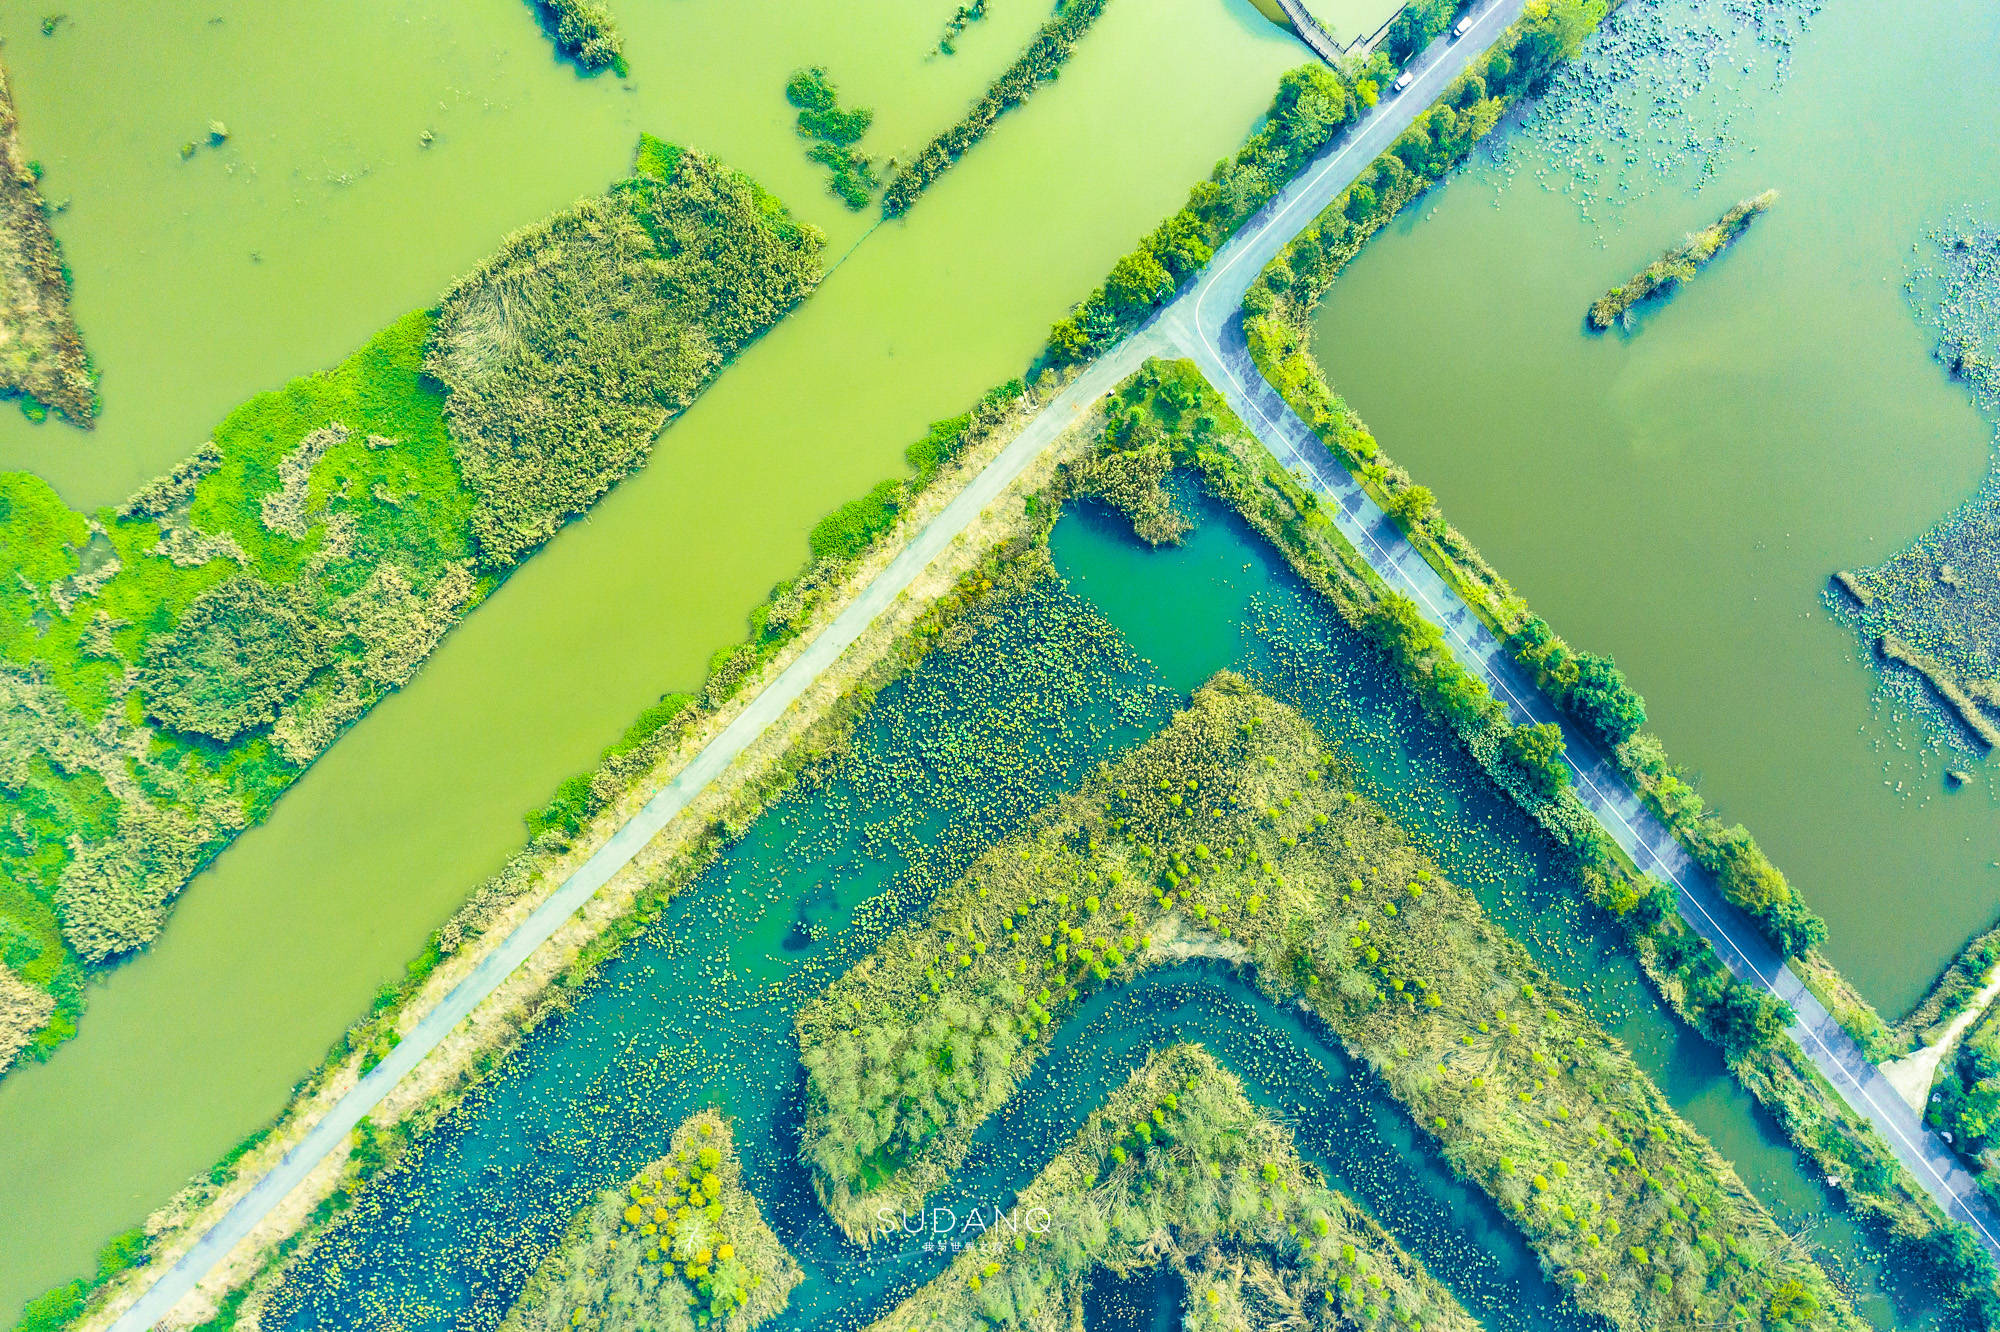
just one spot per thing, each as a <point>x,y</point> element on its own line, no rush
<point>698,1010</point>
<point>324,216</point>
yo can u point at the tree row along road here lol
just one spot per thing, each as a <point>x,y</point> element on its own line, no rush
<point>1200,323</point>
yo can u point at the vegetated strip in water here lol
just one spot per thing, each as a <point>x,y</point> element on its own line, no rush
<point>1252,844</point>
<point>1036,65</point>
<point>1930,607</point>
<point>1279,310</point>
<point>1179,1168</point>
<point>190,654</point>
<point>42,362</point>
<point>1679,264</point>
<point>961,18</point>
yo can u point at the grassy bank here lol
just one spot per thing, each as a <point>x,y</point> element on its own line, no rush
<point>42,360</point>
<point>1234,833</point>
<point>1680,264</point>
<point>169,668</point>
<point>1954,990</point>
<point>682,1245</point>
<point>1040,63</point>
<point>1965,1095</point>
<point>1279,311</point>
<point>1178,1168</point>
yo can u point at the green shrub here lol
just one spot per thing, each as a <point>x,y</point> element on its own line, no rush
<point>1537,750</point>
<point>240,652</point>
<point>846,532</point>
<point>1416,26</point>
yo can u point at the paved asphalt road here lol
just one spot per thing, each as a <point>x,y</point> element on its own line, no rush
<point>1201,323</point>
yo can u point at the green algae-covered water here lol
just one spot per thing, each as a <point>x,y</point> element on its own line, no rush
<point>698,1010</point>
<point>324,216</point>
<point>1679,495</point>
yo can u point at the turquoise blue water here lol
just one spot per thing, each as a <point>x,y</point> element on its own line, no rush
<point>698,1011</point>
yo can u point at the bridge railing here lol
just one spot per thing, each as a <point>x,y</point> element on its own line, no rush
<point>1310,32</point>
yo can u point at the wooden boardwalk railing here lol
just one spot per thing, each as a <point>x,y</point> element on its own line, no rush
<point>1310,32</point>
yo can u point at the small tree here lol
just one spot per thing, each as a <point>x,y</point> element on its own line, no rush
<point>1537,752</point>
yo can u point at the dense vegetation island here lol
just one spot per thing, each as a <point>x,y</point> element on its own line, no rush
<point>42,361</point>
<point>1235,834</point>
<point>584,31</point>
<point>681,1246</point>
<point>169,667</point>
<point>1178,1168</point>
<point>1679,264</point>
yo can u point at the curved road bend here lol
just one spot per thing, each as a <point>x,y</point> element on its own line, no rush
<point>1199,323</point>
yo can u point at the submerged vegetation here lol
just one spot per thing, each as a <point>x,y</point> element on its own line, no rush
<point>42,360</point>
<point>1038,64</point>
<point>1929,611</point>
<point>833,132</point>
<point>584,31</point>
<point>961,18</point>
<point>1178,1168</point>
<point>1235,834</point>
<point>681,1246</point>
<point>1679,264</point>
<point>1278,322</point>
<point>169,667</point>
